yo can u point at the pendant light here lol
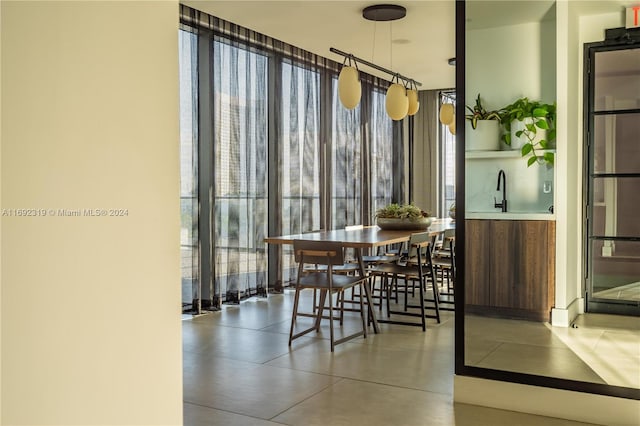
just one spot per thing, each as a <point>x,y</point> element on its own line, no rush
<point>452,125</point>
<point>446,114</point>
<point>401,99</point>
<point>396,102</point>
<point>349,86</point>
<point>414,104</point>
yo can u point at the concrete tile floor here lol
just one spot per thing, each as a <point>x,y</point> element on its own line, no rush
<point>239,370</point>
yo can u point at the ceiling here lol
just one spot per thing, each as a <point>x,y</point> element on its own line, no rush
<point>417,46</point>
<point>423,40</point>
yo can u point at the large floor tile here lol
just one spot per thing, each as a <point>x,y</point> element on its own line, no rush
<point>245,388</point>
<point>515,331</point>
<point>430,369</point>
<point>543,361</point>
<point>472,415</point>
<point>608,322</point>
<point>236,343</point>
<point>255,313</point>
<point>197,415</point>
<point>352,402</point>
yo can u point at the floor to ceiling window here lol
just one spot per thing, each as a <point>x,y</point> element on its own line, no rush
<point>240,169</point>
<point>270,151</point>
<point>299,156</point>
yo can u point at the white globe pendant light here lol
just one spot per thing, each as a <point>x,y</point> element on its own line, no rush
<point>349,88</point>
<point>414,104</point>
<point>396,102</point>
<point>446,114</point>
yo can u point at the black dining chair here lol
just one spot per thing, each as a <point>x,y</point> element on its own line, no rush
<point>415,270</point>
<point>444,263</point>
<point>328,282</point>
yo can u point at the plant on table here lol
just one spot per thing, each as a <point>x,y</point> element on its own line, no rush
<point>401,211</point>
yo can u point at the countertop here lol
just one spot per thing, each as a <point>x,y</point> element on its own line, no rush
<point>510,215</point>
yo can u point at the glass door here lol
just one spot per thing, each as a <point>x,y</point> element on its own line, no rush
<point>613,180</point>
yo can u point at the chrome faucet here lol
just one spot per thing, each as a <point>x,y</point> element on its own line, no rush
<point>502,205</point>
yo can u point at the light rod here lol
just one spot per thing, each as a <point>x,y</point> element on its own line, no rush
<point>374,66</point>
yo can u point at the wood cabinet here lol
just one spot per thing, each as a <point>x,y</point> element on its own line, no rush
<point>510,268</point>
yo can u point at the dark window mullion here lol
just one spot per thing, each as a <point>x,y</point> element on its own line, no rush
<point>616,112</point>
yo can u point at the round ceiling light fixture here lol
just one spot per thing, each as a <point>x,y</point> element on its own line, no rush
<point>384,12</point>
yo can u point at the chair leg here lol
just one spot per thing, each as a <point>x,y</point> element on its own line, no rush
<point>330,319</point>
<point>364,324</point>
<point>323,296</point>
<point>340,302</point>
<point>422,307</point>
<point>296,299</point>
<point>387,286</point>
<point>436,294</point>
<point>406,293</point>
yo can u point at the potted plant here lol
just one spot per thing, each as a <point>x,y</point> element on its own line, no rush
<point>484,131</point>
<point>452,211</point>
<point>402,216</point>
<point>530,126</point>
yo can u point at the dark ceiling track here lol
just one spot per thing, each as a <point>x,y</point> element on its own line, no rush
<point>376,67</point>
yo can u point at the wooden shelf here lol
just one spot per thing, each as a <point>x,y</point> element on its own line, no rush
<point>513,153</point>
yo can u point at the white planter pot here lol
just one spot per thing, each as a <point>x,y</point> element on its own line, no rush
<point>518,142</point>
<point>485,137</point>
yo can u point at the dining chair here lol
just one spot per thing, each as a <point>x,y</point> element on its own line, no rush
<point>416,268</point>
<point>444,263</point>
<point>384,255</point>
<point>328,282</point>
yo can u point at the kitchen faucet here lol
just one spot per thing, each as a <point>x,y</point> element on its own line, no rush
<point>503,204</point>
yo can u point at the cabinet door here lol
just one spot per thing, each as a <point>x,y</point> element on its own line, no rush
<point>531,278</point>
<point>520,265</point>
<point>477,268</point>
<point>504,257</point>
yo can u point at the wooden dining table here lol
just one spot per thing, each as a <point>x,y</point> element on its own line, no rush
<point>367,237</point>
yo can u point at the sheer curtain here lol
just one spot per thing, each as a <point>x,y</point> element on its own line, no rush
<point>346,155</point>
<point>240,193</point>
<point>189,238</point>
<point>426,150</point>
<point>299,155</point>
<point>380,129</point>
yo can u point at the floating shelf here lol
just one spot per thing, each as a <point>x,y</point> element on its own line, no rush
<point>512,153</point>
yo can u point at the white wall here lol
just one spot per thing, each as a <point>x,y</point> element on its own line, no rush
<point>574,30</point>
<point>1,381</point>
<point>568,157</point>
<point>505,63</point>
<point>90,305</point>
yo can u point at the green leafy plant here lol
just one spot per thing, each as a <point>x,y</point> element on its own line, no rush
<point>478,112</point>
<point>404,211</point>
<point>541,116</point>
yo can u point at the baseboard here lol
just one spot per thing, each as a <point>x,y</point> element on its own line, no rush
<point>564,317</point>
<point>550,402</point>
